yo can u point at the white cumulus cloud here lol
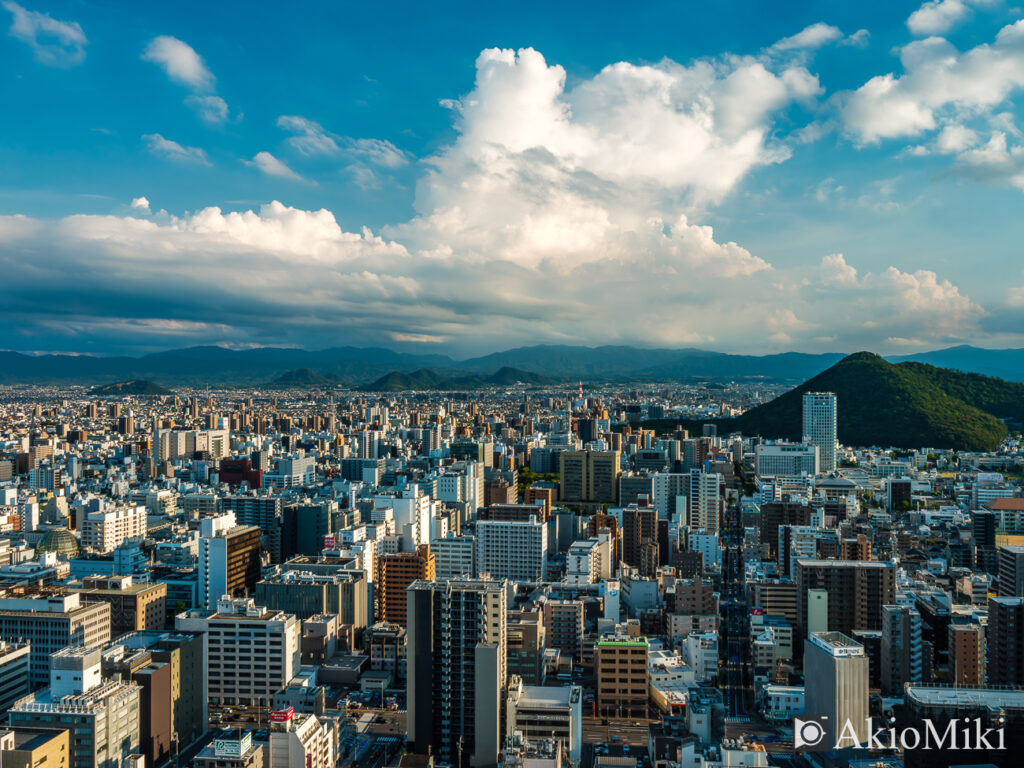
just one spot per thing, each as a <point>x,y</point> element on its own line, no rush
<point>180,61</point>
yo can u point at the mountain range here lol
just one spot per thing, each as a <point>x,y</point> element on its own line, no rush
<point>196,366</point>
<point>905,405</point>
<point>426,379</point>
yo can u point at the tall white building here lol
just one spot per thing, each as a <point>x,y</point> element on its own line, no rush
<point>252,652</point>
<point>670,491</point>
<point>105,531</point>
<point>839,667</point>
<point>224,556</point>
<point>512,549</point>
<point>705,501</point>
<point>819,427</point>
<point>412,512</point>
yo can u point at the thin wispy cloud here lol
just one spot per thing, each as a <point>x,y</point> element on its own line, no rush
<point>311,139</point>
<point>54,43</point>
<point>172,150</point>
<point>271,166</point>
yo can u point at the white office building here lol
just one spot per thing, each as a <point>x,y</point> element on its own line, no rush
<point>454,556</point>
<point>786,459</point>
<point>512,549</point>
<point>252,652</point>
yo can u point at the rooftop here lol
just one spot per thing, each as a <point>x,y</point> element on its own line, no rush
<point>966,697</point>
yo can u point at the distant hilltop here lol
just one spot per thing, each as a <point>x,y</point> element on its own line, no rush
<point>135,387</point>
<point>307,378</point>
<point>425,379</point>
<point>905,405</point>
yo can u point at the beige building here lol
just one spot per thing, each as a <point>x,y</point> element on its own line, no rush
<point>133,607</point>
<point>34,748</point>
<point>621,676</point>
<point>589,477</point>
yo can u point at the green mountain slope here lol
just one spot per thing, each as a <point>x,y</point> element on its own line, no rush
<point>426,379</point>
<point>306,378</point>
<point>136,387</point>
<point>908,405</point>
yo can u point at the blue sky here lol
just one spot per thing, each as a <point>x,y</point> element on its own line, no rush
<point>458,177</point>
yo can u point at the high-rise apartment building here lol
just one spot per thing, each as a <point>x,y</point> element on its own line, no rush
<point>512,549</point>
<point>397,571</point>
<point>105,531</point>
<point>252,652</point>
<point>229,558</point>
<point>857,590</point>
<point>705,504</point>
<point>902,656</point>
<point>134,607</point>
<point>819,427</point>
<point>967,654</point>
<point>670,492</point>
<point>457,676</point>
<point>1011,571</point>
<point>267,514</point>
<point>563,625</point>
<point>839,668</point>
<point>640,547</point>
<point>1005,641</point>
<point>185,656</point>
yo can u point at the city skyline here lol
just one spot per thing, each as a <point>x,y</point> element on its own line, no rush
<point>816,180</point>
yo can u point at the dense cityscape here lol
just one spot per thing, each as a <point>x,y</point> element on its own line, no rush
<point>515,576</point>
<point>511,385</point>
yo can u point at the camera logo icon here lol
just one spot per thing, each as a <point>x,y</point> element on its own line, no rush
<point>810,732</point>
